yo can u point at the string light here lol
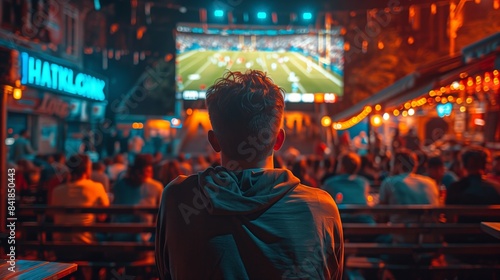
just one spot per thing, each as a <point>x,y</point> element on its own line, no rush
<point>459,100</point>
<point>462,109</point>
<point>396,112</point>
<point>378,107</point>
<point>411,112</point>
<point>385,116</point>
<point>405,114</point>
<point>354,120</point>
<point>468,100</point>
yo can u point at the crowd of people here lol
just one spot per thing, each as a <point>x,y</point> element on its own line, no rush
<point>238,186</point>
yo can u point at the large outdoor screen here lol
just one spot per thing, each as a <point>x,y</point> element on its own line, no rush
<point>303,61</point>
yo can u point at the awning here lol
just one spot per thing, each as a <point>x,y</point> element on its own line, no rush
<point>426,78</point>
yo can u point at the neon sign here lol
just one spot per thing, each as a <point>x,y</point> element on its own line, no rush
<point>444,110</point>
<point>48,75</point>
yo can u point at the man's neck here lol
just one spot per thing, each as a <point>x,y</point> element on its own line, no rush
<point>236,165</point>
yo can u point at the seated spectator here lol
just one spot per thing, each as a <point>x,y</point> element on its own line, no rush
<point>245,219</point>
<point>367,170</point>
<point>137,188</point>
<point>299,170</point>
<point>118,167</point>
<point>80,191</point>
<point>349,188</point>
<point>169,171</point>
<point>437,172</point>
<point>186,167</point>
<point>474,188</point>
<point>406,187</point>
<point>495,169</point>
<point>99,175</point>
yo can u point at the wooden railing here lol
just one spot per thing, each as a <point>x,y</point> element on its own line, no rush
<point>354,250</point>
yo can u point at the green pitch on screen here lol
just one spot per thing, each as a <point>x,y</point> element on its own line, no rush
<point>292,71</point>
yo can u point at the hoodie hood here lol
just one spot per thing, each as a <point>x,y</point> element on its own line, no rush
<point>244,192</point>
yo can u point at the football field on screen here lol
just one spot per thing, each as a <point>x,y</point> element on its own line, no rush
<point>291,71</point>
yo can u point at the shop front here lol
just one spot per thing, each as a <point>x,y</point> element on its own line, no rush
<point>59,104</point>
<point>452,101</point>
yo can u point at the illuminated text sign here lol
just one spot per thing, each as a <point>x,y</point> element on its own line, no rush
<point>52,76</point>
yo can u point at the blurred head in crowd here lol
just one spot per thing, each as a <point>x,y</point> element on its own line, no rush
<point>60,158</point>
<point>435,168</point>
<point>80,167</point>
<point>299,169</point>
<point>33,176</point>
<point>421,159</point>
<point>24,133</point>
<point>141,170</point>
<point>349,163</point>
<point>119,158</point>
<point>474,160</point>
<point>366,163</point>
<point>158,156</point>
<point>495,169</point>
<point>98,167</point>
<point>404,161</point>
<point>170,171</point>
<point>246,113</point>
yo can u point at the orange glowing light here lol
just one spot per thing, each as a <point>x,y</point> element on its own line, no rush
<point>468,100</point>
<point>396,112</point>
<point>189,111</point>
<point>459,100</point>
<point>17,93</point>
<point>411,40</point>
<point>326,121</point>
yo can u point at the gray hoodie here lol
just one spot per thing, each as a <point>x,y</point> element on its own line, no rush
<point>252,224</point>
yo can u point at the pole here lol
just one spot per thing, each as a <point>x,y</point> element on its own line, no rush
<point>3,159</point>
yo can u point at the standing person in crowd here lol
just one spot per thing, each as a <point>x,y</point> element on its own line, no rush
<point>249,220</point>
<point>349,188</point>
<point>117,168</point>
<point>99,175</point>
<point>123,140</point>
<point>136,144</point>
<point>21,149</point>
<point>397,141</point>
<point>137,188</point>
<point>411,140</point>
<point>361,143</point>
<point>110,141</point>
<point>80,191</point>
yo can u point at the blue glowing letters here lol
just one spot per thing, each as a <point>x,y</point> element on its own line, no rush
<point>50,75</point>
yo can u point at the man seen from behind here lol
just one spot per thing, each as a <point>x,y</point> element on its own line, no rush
<point>245,219</point>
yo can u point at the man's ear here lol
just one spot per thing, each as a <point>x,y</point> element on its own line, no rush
<point>213,141</point>
<point>280,139</point>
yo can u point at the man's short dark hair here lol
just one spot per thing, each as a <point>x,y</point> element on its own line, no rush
<point>245,108</point>
<point>406,159</point>
<point>435,162</point>
<point>474,158</point>
<point>350,162</point>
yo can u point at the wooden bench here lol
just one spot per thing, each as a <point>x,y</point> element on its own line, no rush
<point>362,255</point>
<point>46,248</point>
<point>365,256</point>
